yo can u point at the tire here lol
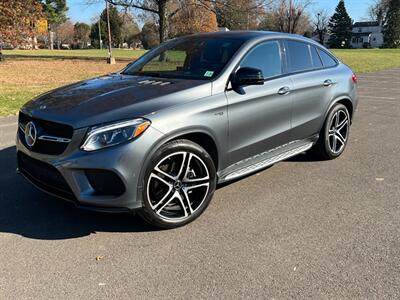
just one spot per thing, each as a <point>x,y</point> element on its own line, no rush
<point>179,184</point>
<point>334,134</point>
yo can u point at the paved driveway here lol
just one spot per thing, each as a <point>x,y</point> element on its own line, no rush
<point>301,228</point>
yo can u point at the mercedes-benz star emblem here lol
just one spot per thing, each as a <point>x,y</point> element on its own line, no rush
<point>30,134</point>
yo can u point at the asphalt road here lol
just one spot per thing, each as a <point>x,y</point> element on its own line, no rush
<point>300,229</point>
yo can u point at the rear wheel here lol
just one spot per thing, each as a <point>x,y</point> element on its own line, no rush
<point>334,134</point>
<point>179,184</point>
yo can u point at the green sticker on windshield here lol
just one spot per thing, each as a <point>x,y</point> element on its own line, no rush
<point>209,74</point>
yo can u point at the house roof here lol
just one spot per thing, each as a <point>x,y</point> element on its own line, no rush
<point>366,24</point>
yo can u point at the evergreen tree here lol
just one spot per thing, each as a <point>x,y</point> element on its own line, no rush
<point>340,26</point>
<point>116,28</point>
<point>94,34</point>
<point>115,24</point>
<point>56,11</point>
<point>149,36</point>
<point>81,34</point>
<point>56,14</point>
<point>392,27</point>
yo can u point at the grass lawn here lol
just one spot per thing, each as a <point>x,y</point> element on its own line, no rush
<point>21,80</point>
<point>117,53</point>
<point>369,60</point>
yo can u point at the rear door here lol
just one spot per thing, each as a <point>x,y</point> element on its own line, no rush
<point>259,115</point>
<point>312,88</point>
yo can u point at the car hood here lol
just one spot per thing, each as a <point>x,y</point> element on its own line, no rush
<point>114,97</point>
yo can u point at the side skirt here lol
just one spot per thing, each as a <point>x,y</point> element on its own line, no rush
<point>270,160</point>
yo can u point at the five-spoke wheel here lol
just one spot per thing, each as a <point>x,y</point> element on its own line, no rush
<point>338,131</point>
<point>334,134</point>
<point>179,184</point>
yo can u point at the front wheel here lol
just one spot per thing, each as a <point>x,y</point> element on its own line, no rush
<point>179,184</point>
<point>334,134</point>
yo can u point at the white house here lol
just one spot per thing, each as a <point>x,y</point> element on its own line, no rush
<point>367,35</point>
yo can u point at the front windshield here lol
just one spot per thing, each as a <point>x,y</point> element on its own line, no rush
<point>186,58</point>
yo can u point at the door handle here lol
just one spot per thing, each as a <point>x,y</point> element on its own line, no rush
<point>284,91</point>
<point>328,82</point>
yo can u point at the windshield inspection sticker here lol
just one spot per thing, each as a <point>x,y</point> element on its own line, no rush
<point>209,74</point>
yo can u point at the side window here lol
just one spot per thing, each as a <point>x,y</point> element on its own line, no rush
<point>266,57</point>
<point>299,56</point>
<point>317,63</point>
<point>327,60</point>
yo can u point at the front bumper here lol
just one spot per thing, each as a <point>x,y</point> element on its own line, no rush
<point>79,176</point>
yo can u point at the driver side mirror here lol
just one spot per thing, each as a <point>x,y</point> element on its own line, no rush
<point>248,76</point>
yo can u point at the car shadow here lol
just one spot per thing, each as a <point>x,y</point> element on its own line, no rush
<point>304,157</point>
<point>28,212</point>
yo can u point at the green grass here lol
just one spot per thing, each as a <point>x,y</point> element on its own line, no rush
<point>117,53</point>
<point>22,80</point>
<point>369,60</point>
<point>13,98</point>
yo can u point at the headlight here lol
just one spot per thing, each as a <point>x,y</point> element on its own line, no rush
<point>114,134</point>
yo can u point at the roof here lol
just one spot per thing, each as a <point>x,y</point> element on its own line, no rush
<point>366,24</point>
<point>244,35</point>
<point>234,34</point>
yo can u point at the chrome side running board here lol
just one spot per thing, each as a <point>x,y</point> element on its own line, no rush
<point>269,161</point>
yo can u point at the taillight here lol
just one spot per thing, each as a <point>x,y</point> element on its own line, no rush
<point>354,78</point>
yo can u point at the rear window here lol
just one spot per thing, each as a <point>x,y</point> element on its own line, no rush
<point>299,56</point>
<point>327,60</point>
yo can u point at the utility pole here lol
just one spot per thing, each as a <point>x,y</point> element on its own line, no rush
<point>100,41</point>
<point>110,59</point>
<point>1,54</point>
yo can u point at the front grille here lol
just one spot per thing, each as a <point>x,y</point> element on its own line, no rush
<point>45,176</point>
<point>46,128</point>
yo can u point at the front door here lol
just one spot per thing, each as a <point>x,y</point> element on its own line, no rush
<point>259,116</point>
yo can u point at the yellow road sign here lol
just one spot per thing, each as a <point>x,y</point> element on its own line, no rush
<point>42,26</point>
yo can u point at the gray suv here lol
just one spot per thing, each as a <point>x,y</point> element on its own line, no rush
<point>158,136</point>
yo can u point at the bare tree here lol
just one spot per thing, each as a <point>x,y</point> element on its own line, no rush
<point>378,10</point>
<point>289,13</point>
<point>165,10</point>
<point>239,14</point>
<point>157,7</point>
<point>321,22</point>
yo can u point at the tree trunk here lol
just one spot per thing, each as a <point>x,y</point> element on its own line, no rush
<point>163,22</point>
<point>321,37</point>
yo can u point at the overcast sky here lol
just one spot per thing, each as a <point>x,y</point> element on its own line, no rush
<point>79,11</point>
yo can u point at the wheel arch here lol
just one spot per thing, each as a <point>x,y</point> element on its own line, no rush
<point>346,102</point>
<point>201,136</point>
<point>203,139</point>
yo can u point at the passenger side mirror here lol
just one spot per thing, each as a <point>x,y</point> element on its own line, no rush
<point>248,76</point>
